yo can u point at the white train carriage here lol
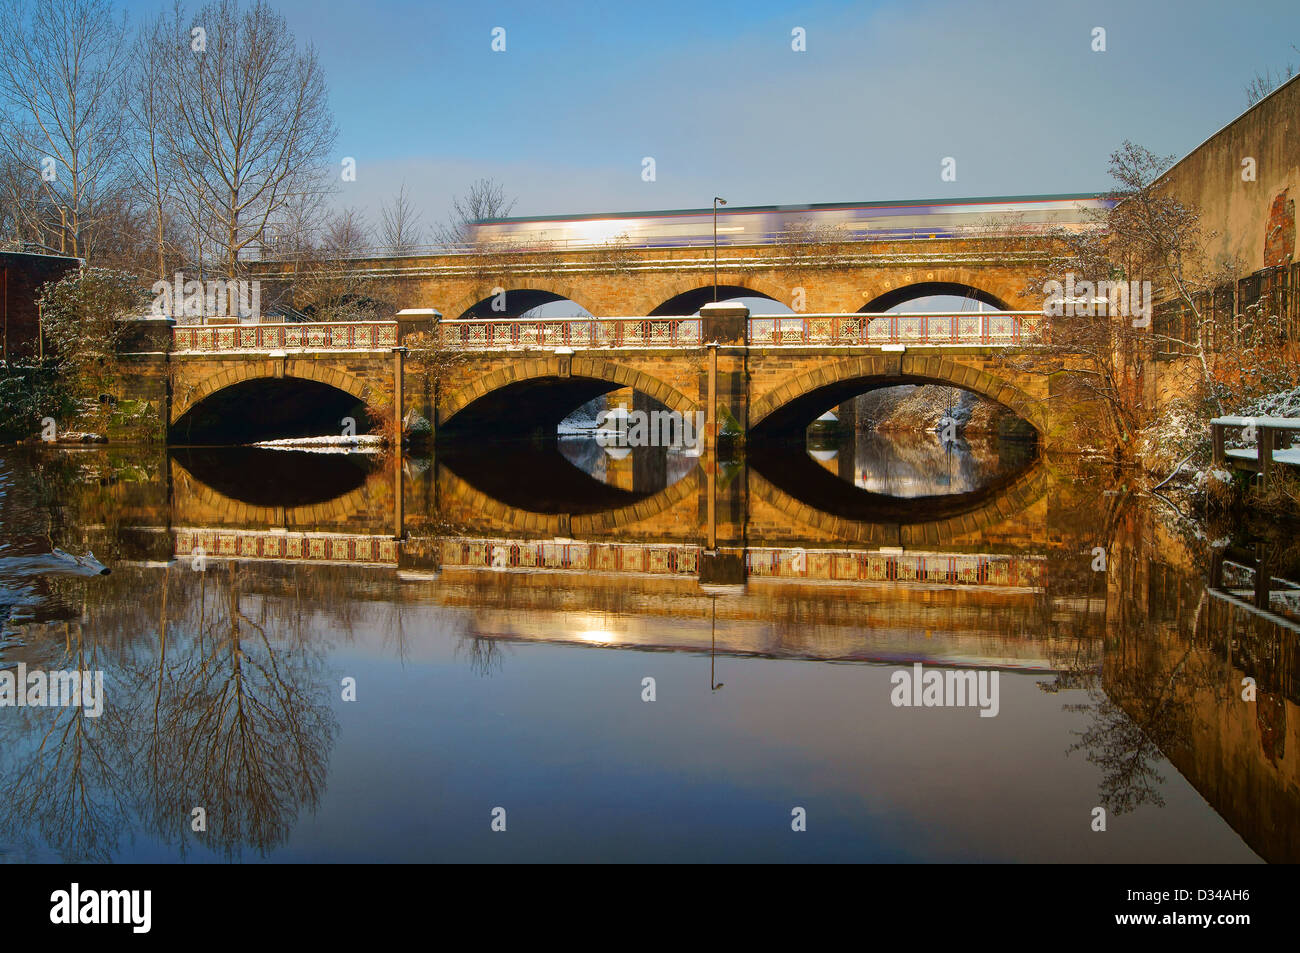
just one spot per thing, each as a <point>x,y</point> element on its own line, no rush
<point>756,225</point>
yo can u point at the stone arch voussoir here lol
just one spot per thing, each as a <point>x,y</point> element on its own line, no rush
<point>530,368</point>
<point>236,372</point>
<point>912,367</point>
<point>662,294</point>
<point>483,292</point>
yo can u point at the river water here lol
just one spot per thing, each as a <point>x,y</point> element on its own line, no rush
<point>642,657</point>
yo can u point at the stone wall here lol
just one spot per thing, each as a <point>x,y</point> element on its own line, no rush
<point>1250,207</point>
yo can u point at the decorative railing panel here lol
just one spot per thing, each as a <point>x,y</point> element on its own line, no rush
<point>992,328</point>
<point>493,334</point>
<point>938,568</point>
<point>242,545</point>
<point>504,554</point>
<point>261,338</point>
<point>996,328</point>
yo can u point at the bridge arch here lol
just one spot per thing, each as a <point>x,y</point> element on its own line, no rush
<point>924,289</point>
<point>799,401</point>
<point>522,295</point>
<point>238,371</point>
<point>687,297</point>
<point>577,379</point>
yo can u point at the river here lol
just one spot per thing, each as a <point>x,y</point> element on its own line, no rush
<point>519,651</point>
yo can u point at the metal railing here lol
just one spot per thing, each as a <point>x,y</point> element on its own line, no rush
<point>275,546</point>
<point>988,328</point>
<point>510,334</point>
<point>847,565</point>
<point>255,338</point>
<point>969,328</point>
<point>999,328</point>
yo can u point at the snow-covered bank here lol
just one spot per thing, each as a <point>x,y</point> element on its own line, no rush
<point>583,420</point>
<point>361,443</point>
<point>924,408</point>
<point>1176,452</point>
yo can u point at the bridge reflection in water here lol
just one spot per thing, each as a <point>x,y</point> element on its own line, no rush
<point>778,556</point>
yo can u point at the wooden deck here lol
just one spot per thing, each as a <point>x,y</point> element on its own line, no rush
<point>1272,437</point>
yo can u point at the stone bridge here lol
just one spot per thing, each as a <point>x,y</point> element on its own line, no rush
<point>769,375</point>
<point>774,374</point>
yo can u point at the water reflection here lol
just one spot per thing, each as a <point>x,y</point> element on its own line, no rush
<point>499,645</point>
<point>918,464</point>
<point>267,477</point>
<point>645,469</point>
<point>571,474</point>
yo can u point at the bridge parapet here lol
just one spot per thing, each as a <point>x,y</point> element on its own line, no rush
<point>986,328</point>
<point>268,338</point>
<point>842,566</point>
<point>1003,329</point>
<point>508,334</point>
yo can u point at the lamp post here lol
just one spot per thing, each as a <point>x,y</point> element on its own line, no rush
<point>716,202</point>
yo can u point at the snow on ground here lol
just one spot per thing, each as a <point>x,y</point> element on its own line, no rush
<point>1183,428</point>
<point>1283,403</point>
<point>361,443</point>
<point>583,420</point>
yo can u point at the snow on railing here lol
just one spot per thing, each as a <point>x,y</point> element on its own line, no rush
<point>308,336</point>
<point>987,328</point>
<point>995,328</point>
<point>509,334</point>
<point>1005,328</point>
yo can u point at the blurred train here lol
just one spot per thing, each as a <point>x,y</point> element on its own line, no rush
<point>763,224</point>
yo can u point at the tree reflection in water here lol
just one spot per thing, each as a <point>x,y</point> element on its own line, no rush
<point>220,694</point>
<point>63,774</point>
<point>227,712</point>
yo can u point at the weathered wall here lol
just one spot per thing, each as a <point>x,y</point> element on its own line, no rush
<point>1254,220</point>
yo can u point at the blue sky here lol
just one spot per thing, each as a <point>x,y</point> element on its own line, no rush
<point>713,91</point>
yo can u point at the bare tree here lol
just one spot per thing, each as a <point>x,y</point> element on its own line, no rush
<point>616,256</point>
<point>150,108</point>
<point>486,198</point>
<point>400,224</point>
<point>347,235</point>
<point>327,285</point>
<point>1155,234</point>
<point>1149,235</point>
<point>61,77</point>
<point>25,212</point>
<point>806,244</point>
<point>252,126</point>
<point>1264,83</point>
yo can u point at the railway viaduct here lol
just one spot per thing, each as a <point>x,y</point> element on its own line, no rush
<point>477,359</point>
<point>611,280</point>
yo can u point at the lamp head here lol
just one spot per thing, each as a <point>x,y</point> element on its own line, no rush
<point>718,201</point>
